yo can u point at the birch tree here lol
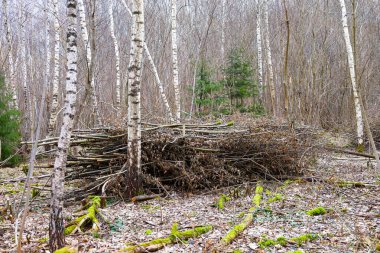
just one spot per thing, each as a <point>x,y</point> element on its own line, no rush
<point>351,65</point>
<point>175,59</point>
<point>259,49</point>
<point>155,71</point>
<point>10,77</point>
<point>223,40</point>
<point>117,55</point>
<point>54,104</point>
<point>134,103</point>
<point>56,227</point>
<point>272,89</point>
<point>89,95</point>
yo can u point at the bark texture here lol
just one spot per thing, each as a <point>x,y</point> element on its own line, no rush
<point>134,105</point>
<point>56,227</point>
<point>351,65</point>
<point>175,59</point>
<point>54,103</point>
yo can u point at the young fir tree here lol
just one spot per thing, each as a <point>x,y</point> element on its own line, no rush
<point>239,79</point>
<point>9,126</point>
<point>209,94</point>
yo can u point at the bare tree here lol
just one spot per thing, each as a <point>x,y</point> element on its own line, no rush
<point>351,64</point>
<point>56,227</point>
<point>54,103</point>
<point>259,49</point>
<point>272,88</point>
<point>10,76</point>
<point>175,59</point>
<point>134,103</point>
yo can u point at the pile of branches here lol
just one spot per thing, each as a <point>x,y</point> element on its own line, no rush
<point>186,157</point>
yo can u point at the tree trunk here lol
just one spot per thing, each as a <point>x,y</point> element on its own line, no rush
<point>259,50</point>
<point>175,60</point>
<point>54,103</point>
<point>10,77</point>
<point>155,72</point>
<point>272,88</point>
<point>133,184</point>
<point>117,56</point>
<point>285,78</point>
<point>56,227</point>
<point>351,64</point>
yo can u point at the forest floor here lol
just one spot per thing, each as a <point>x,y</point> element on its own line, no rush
<point>351,222</point>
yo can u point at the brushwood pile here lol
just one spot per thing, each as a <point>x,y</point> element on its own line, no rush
<point>187,158</point>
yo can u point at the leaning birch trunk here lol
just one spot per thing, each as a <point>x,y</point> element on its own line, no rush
<point>159,84</point>
<point>155,71</point>
<point>175,60</point>
<point>10,76</point>
<point>134,113</point>
<point>56,227</point>
<point>89,95</point>
<point>54,104</point>
<point>117,56</point>
<point>259,50</point>
<point>272,89</point>
<point>351,64</point>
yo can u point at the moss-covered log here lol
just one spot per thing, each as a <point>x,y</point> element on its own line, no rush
<point>175,237</point>
<point>239,228</point>
<point>87,221</point>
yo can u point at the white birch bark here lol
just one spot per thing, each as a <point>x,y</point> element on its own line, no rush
<point>272,89</point>
<point>134,105</point>
<point>351,64</point>
<point>90,87</point>
<point>54,104</point>
<point>159,84</point>
<point>10,77</point>
<point>223,40</point>
<point>175,59</point>
<point>117,55</point>
<point>155,71</point>
<point>259,49</point>
<point>56,227</point>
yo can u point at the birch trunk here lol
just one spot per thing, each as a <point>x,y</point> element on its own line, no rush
<point>223,40</point>
<point>54,104</point>
<point>175,59</point>
<point>56,227</point>
<point>89,95</point>
<point>134,106</point>
<point>10,77</point>
<point>272,89</point>
<point>117,55</point>
<point>155,71</point>
<point>26,92</point>
<point>351,64</point>
<point>259,50</point>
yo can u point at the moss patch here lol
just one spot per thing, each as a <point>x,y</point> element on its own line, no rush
<point>316,211</point>
<point>66,250</point>
<point>302,239</point>
<point>174,237</point>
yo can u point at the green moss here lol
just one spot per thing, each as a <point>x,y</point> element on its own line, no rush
<point>360,148</point>
<point>222,199</point>
<point>258,195</point>
<point>230,123</point>
<point>241,215</point>
<point>174,237</point>
<point>277,197</point>
<point>282,241</point>
<point>66,250</point>
<point>42,240</point>
<point>304,238</point>
<point>350,184</point>
<point>148,232</point>
<point>296,251</point>
<point>377,246</point>
<point>316,211</point>
<point>237,251</point>
<point>267,243</point>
